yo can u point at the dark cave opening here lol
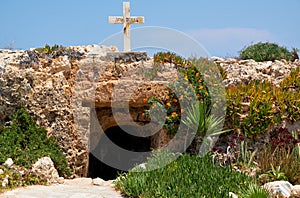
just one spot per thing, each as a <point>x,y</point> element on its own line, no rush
<point>122,139</point>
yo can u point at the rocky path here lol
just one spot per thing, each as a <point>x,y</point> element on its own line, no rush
<point>76,188</point>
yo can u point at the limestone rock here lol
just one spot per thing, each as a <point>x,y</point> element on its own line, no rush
<point>79,181</point>
<point>5,181</point>
<point>282,187</point>
<point>296,190</point>
<point>8,163</point>
<point>44,169</point>
<point>98,181</point>
<point>60,180</point>
<point>232,195</point>
<point>243,71</point>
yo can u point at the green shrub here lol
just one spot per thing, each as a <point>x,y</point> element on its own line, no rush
<point>25,143</point>
<point>188,176</point>
<point>189,87</point>
<point>266,52</point>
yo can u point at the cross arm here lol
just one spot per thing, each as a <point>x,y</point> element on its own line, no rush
<point>131,20</point>
<point>136,20</point>
<point>115,20</point>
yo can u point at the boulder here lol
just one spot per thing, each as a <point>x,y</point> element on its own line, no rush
<point>45,170</point>
<point>282,187</point>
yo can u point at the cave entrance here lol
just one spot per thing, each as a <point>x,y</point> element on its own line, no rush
<point>122,139</point>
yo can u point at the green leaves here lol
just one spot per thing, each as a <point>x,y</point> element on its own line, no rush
<point>199,120</point>
<point>25,143</point>
<point>268,104</point>
<point>266,52</point>
<point>188,176</point>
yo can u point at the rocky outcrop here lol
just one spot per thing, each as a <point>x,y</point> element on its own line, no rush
<point>283,188</point>
<point>44,169</point>
<point>243,71</point>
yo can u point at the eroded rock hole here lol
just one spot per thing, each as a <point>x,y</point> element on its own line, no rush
<point>106,152</point>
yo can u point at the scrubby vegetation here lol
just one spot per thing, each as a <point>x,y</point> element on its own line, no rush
<point>56,51</point>
<point>259,105</point>
<point>25,142</point>
<point>267,52</point>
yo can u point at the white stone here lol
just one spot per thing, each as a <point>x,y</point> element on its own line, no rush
<point>232,195</point>
<point>98,181</point>
<point>1,171</point>
<point>60,180</point>
<point>5,181</point>
<point>44,169</point>
<point>283,187</point>
<point>296,190</point>
<point>9,162</point>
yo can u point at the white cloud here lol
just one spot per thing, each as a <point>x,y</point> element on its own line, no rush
<point>229,41</point>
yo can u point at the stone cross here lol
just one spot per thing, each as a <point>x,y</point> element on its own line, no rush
<point>126,20</point>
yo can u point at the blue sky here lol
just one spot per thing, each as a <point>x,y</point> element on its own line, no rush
<point>222,27</point>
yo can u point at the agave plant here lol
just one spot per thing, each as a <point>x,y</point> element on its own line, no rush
<point>255,191</point>
<point>202,123</point>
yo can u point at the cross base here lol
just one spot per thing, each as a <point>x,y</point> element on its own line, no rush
<point>127,57</point>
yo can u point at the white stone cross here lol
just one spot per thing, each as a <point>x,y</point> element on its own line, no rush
<point>126,20</point>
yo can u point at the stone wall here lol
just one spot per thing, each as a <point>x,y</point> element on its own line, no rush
<point>64,93</point>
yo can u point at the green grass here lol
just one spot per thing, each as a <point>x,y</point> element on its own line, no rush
<point>188,176</point>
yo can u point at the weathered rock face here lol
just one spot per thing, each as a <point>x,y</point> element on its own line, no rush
<point>65,94</point>
<point>243,71</point>
<point>45,170</point>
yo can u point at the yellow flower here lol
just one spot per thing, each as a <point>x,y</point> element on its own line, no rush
<point>200,87</point>
<point>168,104</point>
<point>174,115</point>
<point>197,74</point>
<point>167,117</point>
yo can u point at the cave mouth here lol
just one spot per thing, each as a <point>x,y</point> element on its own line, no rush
<point>97,168</point>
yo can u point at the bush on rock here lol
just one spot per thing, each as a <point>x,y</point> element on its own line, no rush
<point>266,52</point>
<point>25,143</point>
